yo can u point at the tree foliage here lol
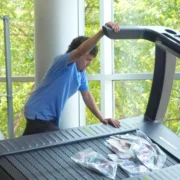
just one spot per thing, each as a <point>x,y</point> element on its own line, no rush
<point>21,18</point>
<point>138,56</point>
<point>135,56</point>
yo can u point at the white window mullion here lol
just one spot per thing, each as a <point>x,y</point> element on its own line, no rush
<point>106,61</point>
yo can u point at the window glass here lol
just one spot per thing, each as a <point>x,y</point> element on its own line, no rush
<point>133,56</point>
<point>92,26</point>
<point>21,24</point>
<point>21,92</point>
<point>95,90</point>
<point>177,65</point>
<point>172,116</point>
<point>131,98</point>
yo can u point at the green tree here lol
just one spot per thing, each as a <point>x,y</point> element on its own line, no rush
<point>21,18</point>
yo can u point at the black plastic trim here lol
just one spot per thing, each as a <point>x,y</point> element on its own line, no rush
<point>157,84</point>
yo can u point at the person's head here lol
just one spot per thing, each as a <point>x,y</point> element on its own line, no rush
<point>85,60</point>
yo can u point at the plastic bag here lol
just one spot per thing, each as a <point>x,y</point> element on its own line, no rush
<point>136,154</point>
<point>129,165</point>
<point>95,161</point>
<point>124,156</point>
<point>147,152</point>
<point>120,147</point>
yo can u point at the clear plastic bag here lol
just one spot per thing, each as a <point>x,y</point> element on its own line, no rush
<point>129,165</point>
<point>147,152</point>
<point>119,146</point>
<point>95,161</point>
<point>136,154</point>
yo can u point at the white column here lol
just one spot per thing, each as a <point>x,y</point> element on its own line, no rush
<point>106,56</point>
<point>57,22</point>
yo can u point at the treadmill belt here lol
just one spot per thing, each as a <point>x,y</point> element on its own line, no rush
<point>48,155</point>
<point>55,163</point>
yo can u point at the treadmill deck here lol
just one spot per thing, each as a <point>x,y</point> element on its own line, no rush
<point>47,155</point>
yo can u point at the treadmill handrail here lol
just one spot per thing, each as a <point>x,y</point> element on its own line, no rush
<point>168,37</point>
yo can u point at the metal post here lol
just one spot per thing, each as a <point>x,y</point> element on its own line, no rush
<point>8,77</point>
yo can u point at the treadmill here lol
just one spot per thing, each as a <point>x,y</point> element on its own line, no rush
<point>47,155</point>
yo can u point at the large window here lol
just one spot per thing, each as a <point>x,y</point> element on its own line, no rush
<point>21,18</point>
<point>133,60</point>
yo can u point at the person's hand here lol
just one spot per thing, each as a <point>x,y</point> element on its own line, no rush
<point>112,122</point>
<point>114,26</point>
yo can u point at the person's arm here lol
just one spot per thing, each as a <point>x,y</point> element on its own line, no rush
<point>91,104</point>
<point>88,45</point>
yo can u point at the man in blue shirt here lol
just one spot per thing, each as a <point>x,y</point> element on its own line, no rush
<point>65,77</point>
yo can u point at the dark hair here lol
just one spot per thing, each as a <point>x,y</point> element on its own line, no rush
<point>76,42</point>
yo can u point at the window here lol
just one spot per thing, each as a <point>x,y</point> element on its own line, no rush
<point>129,75</point>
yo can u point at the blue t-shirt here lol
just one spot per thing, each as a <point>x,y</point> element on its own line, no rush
<point>61,81</point>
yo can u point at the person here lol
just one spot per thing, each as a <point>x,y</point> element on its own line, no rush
<point>65,77</point>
